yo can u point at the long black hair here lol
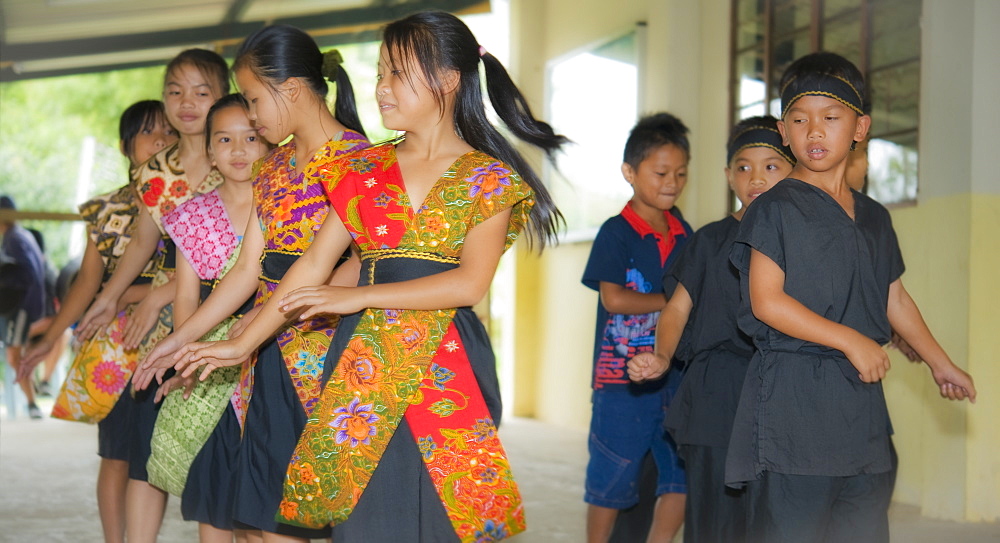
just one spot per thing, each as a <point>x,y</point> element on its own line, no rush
<point>142,115</point>
<point>275,53</point>
<point>439,42</point>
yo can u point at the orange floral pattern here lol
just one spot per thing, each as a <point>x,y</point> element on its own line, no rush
<point>407,363</point>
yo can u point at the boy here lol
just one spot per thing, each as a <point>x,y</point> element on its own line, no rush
<point>819,269</point>
<point>630,254</point>
<point>704,307</point>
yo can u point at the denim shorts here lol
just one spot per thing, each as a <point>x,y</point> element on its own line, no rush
<point>624,427</point>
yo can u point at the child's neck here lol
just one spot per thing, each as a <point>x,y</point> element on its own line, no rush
<point>832,181</point>
<point>194,158</point>
<point>656,218</point>
<point>237,197</point>
<point>434,142</point>
<point>313,134</point>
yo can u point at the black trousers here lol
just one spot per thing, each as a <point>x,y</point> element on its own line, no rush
<point>713,513</point>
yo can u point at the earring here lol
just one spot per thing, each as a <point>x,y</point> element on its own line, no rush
<point>854,145</point>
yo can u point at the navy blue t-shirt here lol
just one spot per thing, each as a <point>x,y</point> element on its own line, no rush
<point>628,252</point>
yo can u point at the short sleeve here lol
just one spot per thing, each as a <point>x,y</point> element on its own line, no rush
<point>608,256</point>
<point>891,249</point>
<point>689,270</point>
<point>760,229</point>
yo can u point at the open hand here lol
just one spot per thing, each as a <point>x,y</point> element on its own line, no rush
<point>141,321</point>
<point>32,357</point>
<point>99,315</point>
<point>210,354</point>
<point>175,382</point>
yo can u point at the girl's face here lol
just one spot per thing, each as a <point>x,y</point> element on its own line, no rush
<point>268,108</point>
<point>404,98</point>
<point>234,144</point>
<point>150,140</point>
<point>754,171</point>
<point>187,96</point>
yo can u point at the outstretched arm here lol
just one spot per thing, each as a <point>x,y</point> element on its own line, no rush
<point>238,285</point>
<point>906,320</point>
<point>669,328</point>
<point>187,293</point>
<point>775,308</point>
<point>312,268</point>
<point>138,252</point>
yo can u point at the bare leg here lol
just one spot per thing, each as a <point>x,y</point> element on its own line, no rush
<point>210,534</point>
<point>600,522</point>
<point>112,479</point>
<point>247,536</point>
<point>278,538</point>
<point>667,518</point>
<point>144,509</point>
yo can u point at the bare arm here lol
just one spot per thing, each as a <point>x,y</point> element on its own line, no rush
<point>188,292</point>
<point>618,299</point>
<point>772,306</point>
<point>81,293</point>
<point>138,252</point>
<point>669,328</point>
<point>906,320</point>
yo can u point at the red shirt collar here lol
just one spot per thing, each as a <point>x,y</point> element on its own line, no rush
<point>664,243</point>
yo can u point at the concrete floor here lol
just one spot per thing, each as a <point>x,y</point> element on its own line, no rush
<point>48,469</point>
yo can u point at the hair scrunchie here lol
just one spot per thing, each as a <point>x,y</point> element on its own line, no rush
<point>331,63</point>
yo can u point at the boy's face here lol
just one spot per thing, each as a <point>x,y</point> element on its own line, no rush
<point>754,171</point>
<point>820,131</point>
<point>659,179</point>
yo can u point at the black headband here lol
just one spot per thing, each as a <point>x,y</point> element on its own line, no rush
<point>827,85</point>
<point>758,136</point>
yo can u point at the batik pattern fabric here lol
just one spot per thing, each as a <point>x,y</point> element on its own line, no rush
<point>203,233</point>
<point>407,363</point>
<point>162,185</point>
<point>102,367</point>
<point>291,208</point>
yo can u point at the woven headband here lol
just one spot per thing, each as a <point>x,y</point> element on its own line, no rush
<point>758,136</point>
<point>830,86</point>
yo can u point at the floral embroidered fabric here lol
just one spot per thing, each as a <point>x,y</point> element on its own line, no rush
<point>291,208</point>
<point>410,363</point>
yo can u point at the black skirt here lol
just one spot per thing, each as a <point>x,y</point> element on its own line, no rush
<point>209,493</point>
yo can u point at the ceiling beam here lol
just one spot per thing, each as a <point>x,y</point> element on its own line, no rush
<point>236,10</point>
<point>20,52</point>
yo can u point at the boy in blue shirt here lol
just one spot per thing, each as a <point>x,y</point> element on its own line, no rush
<point>627,263</point>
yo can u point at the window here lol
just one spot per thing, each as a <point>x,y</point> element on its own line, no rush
<point>882,37</point>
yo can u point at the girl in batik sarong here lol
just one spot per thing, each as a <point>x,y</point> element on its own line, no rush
<point>194,80</point>
<point>283,76</point>
<point>403,445</point>
<point>92,391</point>
<point>196,436</point>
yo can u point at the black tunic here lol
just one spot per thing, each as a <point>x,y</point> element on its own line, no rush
<point>803,409</point>
<point>716,351</point>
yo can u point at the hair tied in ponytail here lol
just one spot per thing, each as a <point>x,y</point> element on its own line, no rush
<point>331,63</point>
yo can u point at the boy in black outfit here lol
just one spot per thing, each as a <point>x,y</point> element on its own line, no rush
<point>820,275</point>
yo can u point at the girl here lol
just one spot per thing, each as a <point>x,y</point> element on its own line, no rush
<point>704,308</point>
<point>143,130</point>
<point>194,80</point>
<point>280,72</point>
<point>205,230</point>
<point>411,391</point>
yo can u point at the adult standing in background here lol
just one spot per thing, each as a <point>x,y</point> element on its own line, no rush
<point>22,274</point>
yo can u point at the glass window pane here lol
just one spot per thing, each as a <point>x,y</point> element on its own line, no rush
<point>895,32</point>
<point>748,9</point>
<point>892,168</point>
<point>786,50</point>
<point>749,32</point>
<point>832,8</point>
<point>753,110</point>
<point>750,77</point>
<point>843,36</point>
<point>791,16</point>
<point>895,94</point>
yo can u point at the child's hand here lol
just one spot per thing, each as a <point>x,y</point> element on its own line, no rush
<point>100,313</point>
<point>212,355</point>
<point>904,347</point>
<point>34,356</point>
<point>142,319</point>
<point>647,366</point>
<point>871,361</point>
<point>175,382</point>
<point>954,383</point>
<point>323,299</point>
